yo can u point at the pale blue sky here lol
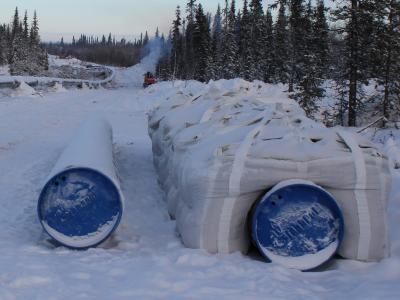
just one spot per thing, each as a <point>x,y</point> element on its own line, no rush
<point>121,17</point>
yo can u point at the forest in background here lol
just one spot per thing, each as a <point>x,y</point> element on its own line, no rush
<point>104,50</point>
<point>20,46</point>
<point>352,48</point>
<point>300,43</point>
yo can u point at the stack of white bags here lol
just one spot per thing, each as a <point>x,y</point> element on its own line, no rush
<point>219,148</point>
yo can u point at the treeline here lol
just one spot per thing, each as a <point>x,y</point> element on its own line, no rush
<point>20,46</point>
<point>104,50</point>
<point>297,47</point>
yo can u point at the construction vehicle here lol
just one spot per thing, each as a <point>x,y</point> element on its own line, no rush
<point>149,79</point>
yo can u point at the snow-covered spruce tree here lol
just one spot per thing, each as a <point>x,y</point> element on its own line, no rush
<point>281,43</point>
<point>356,16</point>
<point>20,58</point>
<point>246,68</point>
<point>15,29</point>
<point>321,40</point>
<point>388,50</point>
<point>18,51</point>
<point>269,50</point>
<point>340,85</point>
<point>308,90</point>
<point>297,45</point>
<point>189,50</point>
<point>3,45</point>
<point>26,56</point>
<point>38,54</point>
<point>145,39</point>
<point>214,68</point>
<point>26,27</point>
<point>201,42</point>
<point>163,66</point>
<point>230,50</point>
<point>258,38</point>
<point>176,46</point>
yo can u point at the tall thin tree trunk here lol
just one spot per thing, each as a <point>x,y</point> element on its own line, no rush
<point>353,65</point>
<point>388,63</point>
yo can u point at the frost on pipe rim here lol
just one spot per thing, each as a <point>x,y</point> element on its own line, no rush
<point>298,224</point>
<point>81,203</point>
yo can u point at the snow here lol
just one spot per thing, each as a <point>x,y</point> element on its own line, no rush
<point>4,70</point>
<point>304,262</point>
<point>24,90</point>
<point>59,62</point>
<point>83,241</point>
<point>73,65</point>
<point>145,258</point>
<point>58,88</point>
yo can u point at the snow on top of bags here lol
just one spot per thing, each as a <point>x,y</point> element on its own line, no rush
<point>219,115</point>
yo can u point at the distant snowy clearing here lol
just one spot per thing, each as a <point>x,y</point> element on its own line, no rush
<point>145,259</point>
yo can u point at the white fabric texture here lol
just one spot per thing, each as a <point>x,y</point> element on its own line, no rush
<point>217,153</point>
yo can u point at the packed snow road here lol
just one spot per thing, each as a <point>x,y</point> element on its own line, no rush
<point>145,258</point>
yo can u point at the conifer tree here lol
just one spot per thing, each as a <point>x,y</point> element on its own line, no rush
<point>353,14</point>
<point>281,38</point>
<point>163,67</point>
<point>3,45</point>
<point>146,39</point>
<point>247,69</point>
<point>15,24</point>
<point>388,12</point>
<point>308,88</point>
<point>214,68</point>
<point>320,40</point>
<point>34,34</point>
<point>201,42</point>
<point>269,50</point>
<point>297,46</point>
<point>230,50</point>
<point>26,27</point>
<point>188,43</point>
<point>258,36</point>
<point>176,44</point>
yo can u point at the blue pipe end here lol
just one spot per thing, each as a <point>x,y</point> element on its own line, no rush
<point>298,225</point>
<point>80,208</point>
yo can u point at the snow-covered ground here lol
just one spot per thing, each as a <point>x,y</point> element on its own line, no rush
<point>4,70</point>
<point>63,71</point>
<point>145,258</point>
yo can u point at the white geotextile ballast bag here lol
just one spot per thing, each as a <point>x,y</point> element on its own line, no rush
<point>219,149</point>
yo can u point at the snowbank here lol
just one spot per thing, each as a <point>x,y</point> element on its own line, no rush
<point>9,81</point>
<point>24,90</point>
<point>218,147</point>
<point>4,70</point>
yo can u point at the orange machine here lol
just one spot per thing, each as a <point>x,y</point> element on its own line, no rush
<point>149,79</point>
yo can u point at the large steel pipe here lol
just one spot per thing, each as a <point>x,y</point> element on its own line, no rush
<point>81,203</point>
<point>297,224</point>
